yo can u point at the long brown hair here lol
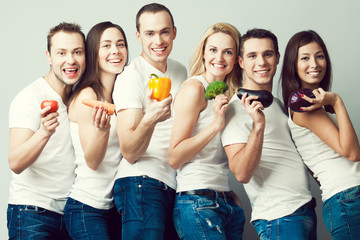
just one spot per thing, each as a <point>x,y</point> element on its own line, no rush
<point>197,66</point>
<point>290,80</point>
<point>91,77</point>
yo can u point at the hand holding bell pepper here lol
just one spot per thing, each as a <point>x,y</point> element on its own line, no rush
<point>160,86</point>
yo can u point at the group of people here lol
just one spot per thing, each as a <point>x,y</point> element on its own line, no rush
<point>160,169</point>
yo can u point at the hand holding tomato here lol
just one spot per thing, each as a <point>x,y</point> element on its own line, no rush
<point>52,103</point>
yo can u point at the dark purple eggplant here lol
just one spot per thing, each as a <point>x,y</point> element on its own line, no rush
<point>265,97</point>
<point>296,101</point>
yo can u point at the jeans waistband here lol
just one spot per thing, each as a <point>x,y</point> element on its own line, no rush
<point>163,185</point>
<point>208,193</point>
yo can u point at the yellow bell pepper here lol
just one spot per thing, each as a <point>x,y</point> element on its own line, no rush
<point>161,87</point>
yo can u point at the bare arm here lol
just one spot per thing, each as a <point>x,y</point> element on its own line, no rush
<point>94,128</point>
<point>244,158</point>
<point>135,129</point>
<point>25,146</point>
<point>190,101</point>
<point>343,138</point>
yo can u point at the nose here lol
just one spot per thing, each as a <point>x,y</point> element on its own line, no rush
<point>219,56</point>
<point>260,60</point>
<point>70,58</point>
<point>114,49</point>
<point>158,39</point>
<point>313,62</point>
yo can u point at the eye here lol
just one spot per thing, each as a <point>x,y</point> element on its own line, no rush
<point>228,52</point>
<point>252,56</point>
<point>165,32</point>
<point>321,56</point>
<point>121,45</point>
<point>212,50</point>
<point>105,45</point>
<point>304,58</point>
<point>149,34</point>
<point>61,53</point>
<point>268,55</point>
<point>78,52</point>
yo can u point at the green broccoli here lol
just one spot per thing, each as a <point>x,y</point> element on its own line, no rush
<point>215,88</point>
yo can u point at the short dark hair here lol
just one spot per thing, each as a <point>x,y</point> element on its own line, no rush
<point>152,8</point>
<point>258,33</point>
<point>64,27</point>
<point>290,80</point>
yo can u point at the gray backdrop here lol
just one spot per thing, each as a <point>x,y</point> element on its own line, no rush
<point>24,26</point>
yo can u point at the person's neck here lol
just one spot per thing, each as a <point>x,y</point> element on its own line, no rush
<point>254,86</point>
<point>61,88</point>
<point>161,66</point>
<point>107,81</point>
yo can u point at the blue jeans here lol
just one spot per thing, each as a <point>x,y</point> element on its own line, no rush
<point>300,225</point>
<point>32,222</point>
<point>341,214</point>
<point>202,217</point>
<point>146,206</point>
<point>85,222</point>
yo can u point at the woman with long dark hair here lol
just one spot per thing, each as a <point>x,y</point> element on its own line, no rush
<point>90,211</point>
<point>327,142</point>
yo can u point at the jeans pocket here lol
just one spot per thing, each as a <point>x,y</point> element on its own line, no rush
<point>351,194</point>
<point>9,215</point>
<point>205,203</point>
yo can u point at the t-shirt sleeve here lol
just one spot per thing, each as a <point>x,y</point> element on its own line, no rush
<point>129,90</point>
<point>24,112</point>
<point>238,124</point>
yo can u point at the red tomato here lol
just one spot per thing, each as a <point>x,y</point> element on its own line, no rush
<point>52,103</point>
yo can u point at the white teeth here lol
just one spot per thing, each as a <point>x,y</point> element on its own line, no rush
<point>218,65</point>
<point>158,49</point>
<point>70,70</point>
<point>313,73</point>
<point>261,72</point>
<point>115,61</point>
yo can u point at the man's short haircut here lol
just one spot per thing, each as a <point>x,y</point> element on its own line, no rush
<point>152,8</point>
<point>258,33</point>
<point>64,27</point>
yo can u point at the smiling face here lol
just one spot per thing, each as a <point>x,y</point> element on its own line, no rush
<point>219,56</point>
<point>66,57</point>
<point>259,63</point>
<point>156,35</point>
<point>311,65</point>
<point>112,52</point>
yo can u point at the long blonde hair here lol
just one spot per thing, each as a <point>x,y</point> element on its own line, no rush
<point>197,66</point>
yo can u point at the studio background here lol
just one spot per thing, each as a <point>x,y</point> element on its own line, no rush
<point>24,26</point>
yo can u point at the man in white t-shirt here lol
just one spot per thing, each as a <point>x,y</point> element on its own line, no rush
<point>41,156</point>
<point>261,153</point>
<point>144,191</point>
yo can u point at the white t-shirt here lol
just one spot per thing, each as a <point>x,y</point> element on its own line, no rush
<point>209,168</point>
<point>280,184</point>
<point>94,187</point>
<point>46,183</point>
<point>130,90</point>
<point>334,172</point>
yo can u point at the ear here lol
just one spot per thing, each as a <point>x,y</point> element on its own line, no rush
<point>241,62</point>
<point>48,57</point>
<point>277,58</point>
<point>137,34</point>
<point>175,31</point>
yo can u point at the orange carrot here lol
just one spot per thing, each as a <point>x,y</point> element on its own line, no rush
<point>109,107</point>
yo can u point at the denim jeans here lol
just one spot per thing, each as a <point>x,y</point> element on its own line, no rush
<point>32,222</point>
<point>201,217</point>
<point>300,225</point>
<point>85,222</point>
<point>146,206</point>
<point>341,214</point>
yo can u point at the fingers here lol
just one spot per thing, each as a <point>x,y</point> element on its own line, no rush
<point>100,117</point>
